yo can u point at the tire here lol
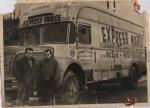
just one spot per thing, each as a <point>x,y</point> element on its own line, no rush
<point>71,91</point>
<point>132,81</point>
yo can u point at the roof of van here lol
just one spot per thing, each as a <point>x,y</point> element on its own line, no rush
<point>74,7</point>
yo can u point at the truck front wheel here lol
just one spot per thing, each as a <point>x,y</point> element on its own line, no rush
<point>71,88</point>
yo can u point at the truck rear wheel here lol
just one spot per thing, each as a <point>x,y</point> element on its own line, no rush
<point>133,77</point>
<point>132,81</point>
<point>71,88</point>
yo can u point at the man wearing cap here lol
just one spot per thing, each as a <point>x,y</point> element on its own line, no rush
<point>47,82</point>
<point>25,72</point>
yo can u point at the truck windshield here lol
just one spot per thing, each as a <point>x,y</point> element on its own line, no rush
<point>48,33</point>
<point>55,33</point>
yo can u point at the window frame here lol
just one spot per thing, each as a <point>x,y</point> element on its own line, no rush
<point>70,42</point>
<point>66,42</point>
<point>90,37</point>
<point>22,38</point>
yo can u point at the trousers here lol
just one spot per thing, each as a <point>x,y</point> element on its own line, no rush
<point>24,92</point>
<point>46,89</point>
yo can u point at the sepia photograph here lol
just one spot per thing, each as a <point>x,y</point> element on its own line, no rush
<point>79,52</point>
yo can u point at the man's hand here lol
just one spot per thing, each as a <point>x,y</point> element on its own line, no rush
<point>35,93</point>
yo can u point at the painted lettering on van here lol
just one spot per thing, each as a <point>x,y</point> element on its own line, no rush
<point>116,37</point>
<point>136,40</point>
<point>118,55</point>
<point>85,58</point>
<point>37,20</point>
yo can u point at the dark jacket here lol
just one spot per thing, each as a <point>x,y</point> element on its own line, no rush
<point>23,71</point>
<point>48,68</point>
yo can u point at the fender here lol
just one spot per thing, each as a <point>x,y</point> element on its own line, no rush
<point>63,64</point>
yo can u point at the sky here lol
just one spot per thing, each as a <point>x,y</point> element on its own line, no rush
<point>8,5</point>
<point>145,5</point>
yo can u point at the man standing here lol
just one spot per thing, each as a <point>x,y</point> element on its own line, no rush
<point>47,76</point>
<point>25,69</point>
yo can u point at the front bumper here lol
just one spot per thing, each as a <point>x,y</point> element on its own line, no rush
<point>11,84</point>
<point>11,87</point>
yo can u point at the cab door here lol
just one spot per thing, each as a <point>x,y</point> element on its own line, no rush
<point>85,54</point>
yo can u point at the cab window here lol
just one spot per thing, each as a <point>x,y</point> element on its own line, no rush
<point>84,34</point>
